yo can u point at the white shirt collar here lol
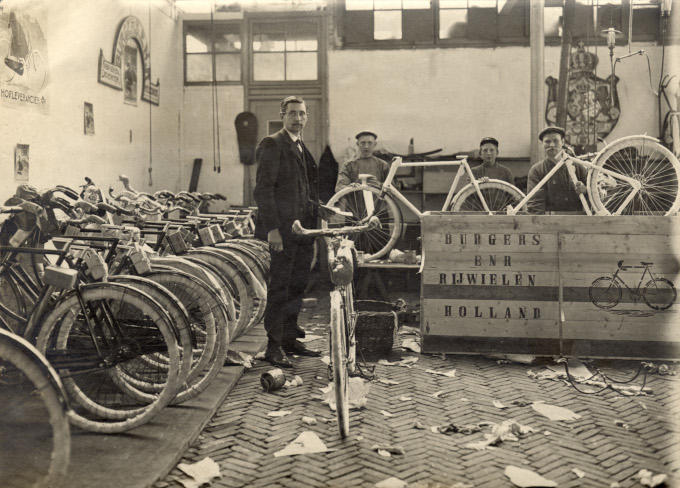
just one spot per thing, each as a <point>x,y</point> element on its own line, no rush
<point>292,136</point>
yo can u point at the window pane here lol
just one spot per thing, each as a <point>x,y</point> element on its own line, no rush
<point>551,21</point>
<point>197,40</point>
<point>417,4</point>
<point>227,41</point>
<point>452,3</point>
<point>387,25</point>
<point>387,4</point>
<point>452,23</point>
<point>301,66</point>
<point>199,67</point>
<point>228,67</point>
<point>482,3</point>
<point>358,5</point>
<point>274,42</point>
<point>268,67</point>
<point>301,37</point>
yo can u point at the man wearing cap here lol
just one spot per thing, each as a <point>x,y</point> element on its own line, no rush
<point>286,187</point>
<point>366,163</point>
<point>558,194</point>
<point>488,151</point>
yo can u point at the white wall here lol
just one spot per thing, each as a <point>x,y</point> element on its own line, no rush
<point>450,98</point>
<point>59,151</point>
<point>198,140</point>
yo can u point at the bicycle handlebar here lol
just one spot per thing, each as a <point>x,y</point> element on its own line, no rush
<point>373,223</point>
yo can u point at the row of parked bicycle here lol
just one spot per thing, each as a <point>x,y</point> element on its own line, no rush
<point>113,308</point>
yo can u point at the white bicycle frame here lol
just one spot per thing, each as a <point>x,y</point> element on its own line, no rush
<point>566,159</point>
<point>387,188</point>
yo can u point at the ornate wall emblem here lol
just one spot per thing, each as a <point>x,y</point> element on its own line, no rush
<point>111,73</point>
<point>592,104</point>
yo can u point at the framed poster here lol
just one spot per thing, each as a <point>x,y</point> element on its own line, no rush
<point>21,162</point>
<point>130,74</point>
<point>88,119</point>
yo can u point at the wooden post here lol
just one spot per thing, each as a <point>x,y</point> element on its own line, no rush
<point>563,84</point>
<point>537,84</point>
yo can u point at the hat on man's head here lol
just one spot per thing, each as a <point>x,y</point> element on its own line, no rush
<point>365,133</point>
<point>551,130</point>
<point>488,140</point>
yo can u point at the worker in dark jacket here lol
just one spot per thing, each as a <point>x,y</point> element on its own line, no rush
<point>285,189</point>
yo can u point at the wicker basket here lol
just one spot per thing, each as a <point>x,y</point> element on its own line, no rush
<point>376,328</point>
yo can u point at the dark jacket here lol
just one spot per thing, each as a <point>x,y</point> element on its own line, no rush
<point>286,185</point>
<point>558,194</point>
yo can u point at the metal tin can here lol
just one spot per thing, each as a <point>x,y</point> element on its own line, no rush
<point>272,380</point>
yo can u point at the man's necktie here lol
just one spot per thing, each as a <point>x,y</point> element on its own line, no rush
<point>298,144</point>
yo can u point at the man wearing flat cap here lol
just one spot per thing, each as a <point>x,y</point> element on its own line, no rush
<point>558,194</point>
<point>366,163</point>
<point>488,151</point>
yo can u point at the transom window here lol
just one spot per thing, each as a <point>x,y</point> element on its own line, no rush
<point>285,51</point>
<point>212,53</point>
<point>393,23</point>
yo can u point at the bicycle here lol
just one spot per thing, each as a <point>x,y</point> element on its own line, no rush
<point>342,342</point>
<point>658,293</point>
<point>366,199</point>
<point>634,175</point>
<point>37,449</point>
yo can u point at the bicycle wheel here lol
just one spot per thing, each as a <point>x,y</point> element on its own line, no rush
<point>659,293</point>
<point>36,444</point>
<point>647,161</point>
<point>498,195</point>
<point>127,324</point>
<point>358,200</point>
<point>191,344</point>
<point>339,363</point>
<point>209,325</point>
<point>604,292</point>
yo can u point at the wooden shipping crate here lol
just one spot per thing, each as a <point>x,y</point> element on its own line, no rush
<point>551,285</point>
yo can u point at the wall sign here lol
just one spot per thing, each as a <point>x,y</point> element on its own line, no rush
<point>21,162</point>
<point>114,73</point>
<point>24,58</point>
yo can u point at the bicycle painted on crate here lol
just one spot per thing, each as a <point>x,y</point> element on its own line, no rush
<point>633,175</point>
<point>343,317</point>
<point>658,293</point>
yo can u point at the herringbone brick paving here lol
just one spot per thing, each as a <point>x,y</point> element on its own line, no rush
<point>242,438</point>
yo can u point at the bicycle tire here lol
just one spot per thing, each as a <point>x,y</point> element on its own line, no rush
<point>642,158</point>
<point>612,288</point>
<point>26,460</point>
<point>498,195</point>
<point>238,285</point>
<point>374,243</point>
<point>179,315</point>
<point>339,363</point>
<point>101,407</point>
<point>203,303</point>
<point>664,300</point>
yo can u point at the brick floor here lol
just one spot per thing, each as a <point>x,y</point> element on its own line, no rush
<point>242,438</point>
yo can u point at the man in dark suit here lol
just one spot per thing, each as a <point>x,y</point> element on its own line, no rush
<point>286,186</point>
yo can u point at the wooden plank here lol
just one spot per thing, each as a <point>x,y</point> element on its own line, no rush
<point>623,244</point>
<point>485,345</point>
<point>504,277</point>
<point>621,349</point>
<point>524,261</point>
<point>622,327</point>
<point>489,242</point>
<point>642,225</point>
<point>606,261</point>
<point>489,318</point>
<point>481,292</point>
